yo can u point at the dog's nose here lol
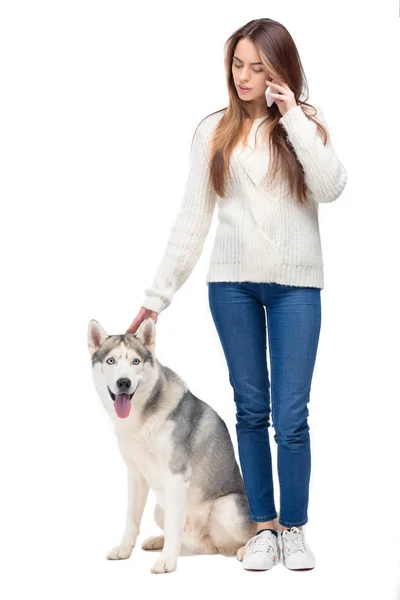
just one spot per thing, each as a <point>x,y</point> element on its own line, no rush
<point>124,383</point>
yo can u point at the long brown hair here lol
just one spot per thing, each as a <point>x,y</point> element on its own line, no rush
<point>279,55</point>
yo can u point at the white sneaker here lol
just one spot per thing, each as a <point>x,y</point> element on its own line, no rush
<point>295,552</point>
<point>261,552</point>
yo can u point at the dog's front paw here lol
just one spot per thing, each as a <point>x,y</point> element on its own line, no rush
<point>119,552</point>
<point>164,565</point>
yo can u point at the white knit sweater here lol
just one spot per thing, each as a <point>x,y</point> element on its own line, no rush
<point>264,234</point>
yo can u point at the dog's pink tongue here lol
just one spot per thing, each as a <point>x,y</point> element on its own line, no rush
<point>122,405</point>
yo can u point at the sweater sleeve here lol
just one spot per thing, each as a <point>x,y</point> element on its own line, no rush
<point>189,231</point>
<point>324,174</point>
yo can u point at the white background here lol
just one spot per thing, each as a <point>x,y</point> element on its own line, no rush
<point>99,103</point>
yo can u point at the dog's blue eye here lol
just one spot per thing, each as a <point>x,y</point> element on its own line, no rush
<point>110,359</point>
<point>136,361</point>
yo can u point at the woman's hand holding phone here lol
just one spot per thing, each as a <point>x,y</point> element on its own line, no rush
<point>281,94</point>
<point>268,97</point>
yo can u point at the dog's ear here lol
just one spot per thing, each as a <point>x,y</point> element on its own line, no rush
<point>147,334</point>
<point>96,336</point>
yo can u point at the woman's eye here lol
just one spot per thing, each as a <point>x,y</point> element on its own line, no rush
<point>136,361</point>
<point>255,70</point>
<point>110,361</point>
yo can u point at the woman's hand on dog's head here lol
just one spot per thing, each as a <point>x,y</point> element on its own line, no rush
<point>140,317</point>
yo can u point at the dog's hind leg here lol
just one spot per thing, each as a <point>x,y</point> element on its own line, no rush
<point>196,534</point>
<point>193,541</point>
<point>231,527</point>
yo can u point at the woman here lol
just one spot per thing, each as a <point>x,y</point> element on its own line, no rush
<point>266,267</point>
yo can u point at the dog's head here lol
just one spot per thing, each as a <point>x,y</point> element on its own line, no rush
<point>119,363</point>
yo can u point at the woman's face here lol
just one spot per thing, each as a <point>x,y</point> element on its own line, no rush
<point>248,71</point>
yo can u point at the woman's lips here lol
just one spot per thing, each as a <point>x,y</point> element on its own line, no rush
<point>242,89</point>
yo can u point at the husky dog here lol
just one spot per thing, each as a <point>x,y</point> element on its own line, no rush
<point>173,443</point>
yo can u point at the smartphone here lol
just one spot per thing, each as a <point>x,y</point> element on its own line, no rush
<point>269,98</point>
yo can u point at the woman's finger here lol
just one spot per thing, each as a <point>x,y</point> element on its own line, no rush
<point>275,85</point>
<point>280,96</point>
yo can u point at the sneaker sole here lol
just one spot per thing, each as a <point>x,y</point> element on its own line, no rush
<point>276,562</point>
<point>302,569</point>
<point>298,569</point>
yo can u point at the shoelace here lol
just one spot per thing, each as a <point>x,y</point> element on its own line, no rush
<point>294,540</point>
<point>259,543</point>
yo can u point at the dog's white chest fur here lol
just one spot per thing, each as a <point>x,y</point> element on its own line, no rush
<point>150,451</point>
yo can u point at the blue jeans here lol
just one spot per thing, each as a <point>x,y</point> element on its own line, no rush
<point>293,316</point>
